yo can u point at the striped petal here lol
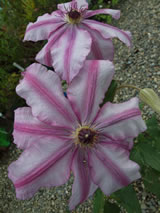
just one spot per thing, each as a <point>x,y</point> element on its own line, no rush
<point>87,90</point>
<point>83,187</point>
<point>45,164</point>
<point>43,27</point>
<point>120,121</point>
<point>108,31</point>
<point>44,56</point>
<point>111,168</point>
<point>70,52</point>
<point>101,49</point>
<point>43,92</point>
<point>29,130</point>
<point>114,13</point>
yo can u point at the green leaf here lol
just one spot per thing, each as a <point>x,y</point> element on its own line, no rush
<point>153,128</point>
<point>127,198</point>
<point>151,181</point>
<point>111,208</point>
<point>98,202</point>
<point>114,2</point>
<point>3,138</point>
<point>136,155</point>
<point>150,155</point>
<point>109,96</point>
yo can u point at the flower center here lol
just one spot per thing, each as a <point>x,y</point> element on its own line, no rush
<point>85,136</point>
<point>74,14</point>
<point>74,17</point>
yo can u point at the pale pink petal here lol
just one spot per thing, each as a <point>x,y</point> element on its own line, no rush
<point>87,90</point>
<point>111,168</point>
<point>101,49</point>
<point>120,121</point>
<point>70,52</point>
<point>44,56</point>
<point>125,144</point>
<point>75,4</point>
<point>45,164</point>
<point>108,31</point>
<point>29,130</point>
<point>114,13</point>
<point>83,187</point>
<point>43,92</point>
<point>41,29</point>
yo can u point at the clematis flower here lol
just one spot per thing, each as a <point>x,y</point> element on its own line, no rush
<point>60,134</point>
<point>72,37</point>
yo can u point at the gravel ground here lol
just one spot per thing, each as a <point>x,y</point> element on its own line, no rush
<point>138,66</point>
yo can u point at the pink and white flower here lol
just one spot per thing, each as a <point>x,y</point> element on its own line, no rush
<point>72,37</point>
<point>60,134</point>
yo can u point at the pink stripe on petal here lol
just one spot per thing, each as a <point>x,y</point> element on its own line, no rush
<point>122,145</point>
<point>116,172</point>
<point>87,89</point>
<point>36,172</point>
<point>111,168</point>
<point>44,56</point>
<point>70,52</point>
<point>43,92</point>
<point>117,118</point>
<point>83,187</point>
<point>114,13</point>
<point>108,31</point>
<point>120,121</point>
<point>45,164</point>
<point>41,23</point>
<point>101,49</point>
<point>44,25</point>
<point>38,130</point>
<point>92,84</point>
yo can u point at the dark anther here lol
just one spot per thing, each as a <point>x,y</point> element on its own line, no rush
<point>86,136</point>
<point>74,14</point>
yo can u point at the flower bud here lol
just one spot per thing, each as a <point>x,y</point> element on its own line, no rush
<point>149,97</point>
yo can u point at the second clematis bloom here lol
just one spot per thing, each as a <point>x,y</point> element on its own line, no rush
<point>60,134</point>
<point>72,37</point>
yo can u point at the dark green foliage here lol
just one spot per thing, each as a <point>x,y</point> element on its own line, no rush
<point>127,198</point>
<point>109,96</point>
<point>98,201</point>
<point>111,207</point>
<point>151,181</point>
<point>4,142</point>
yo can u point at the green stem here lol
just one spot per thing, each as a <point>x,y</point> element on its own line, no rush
<point>127,86</point>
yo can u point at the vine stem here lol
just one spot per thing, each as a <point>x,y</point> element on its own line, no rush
<point>18,66</point>
<point>127,86</point>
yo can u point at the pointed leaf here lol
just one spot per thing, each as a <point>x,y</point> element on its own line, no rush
<point>151,181</point>
<point>127,198</point>
<point>109,96</point>
<point>151,155</point>
<point>98,202</point>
